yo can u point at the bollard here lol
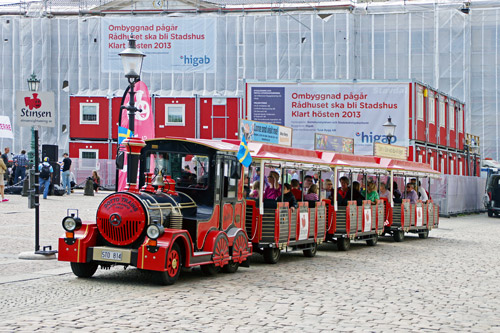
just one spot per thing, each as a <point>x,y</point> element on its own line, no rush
<point>89,187</point>
<point>26,187</point>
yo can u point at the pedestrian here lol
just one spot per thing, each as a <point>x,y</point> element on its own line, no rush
<point>96,179</point>
<point>3,170</point>
<point>66,173</point>
<point>21,163</point>
<point>46,172</point>
<point>5,158</point>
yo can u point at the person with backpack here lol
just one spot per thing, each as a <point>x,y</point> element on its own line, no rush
<point>46,171</point>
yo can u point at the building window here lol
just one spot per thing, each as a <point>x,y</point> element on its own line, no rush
<point>432,110</point>
<point>420,106</point>
<point>461,120</point>
<point>442,118</point>
<point>89,113</point>
<point>175,114</point>
<point>89,159</point>
<point>452,117</point>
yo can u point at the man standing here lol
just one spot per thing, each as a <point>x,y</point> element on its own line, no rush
<point>20,162</point>
<point>46,171</point>
<point>5,158</point>
<point>66,173</point>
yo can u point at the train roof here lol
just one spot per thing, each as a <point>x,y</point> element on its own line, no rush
<point>221,145</point>
<point>408,167</point>
<point>350,160</point>
<point>261,151</point>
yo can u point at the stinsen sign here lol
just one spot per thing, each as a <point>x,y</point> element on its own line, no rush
<point>35,109</point>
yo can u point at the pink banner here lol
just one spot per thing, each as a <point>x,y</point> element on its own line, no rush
<point>144,123</point>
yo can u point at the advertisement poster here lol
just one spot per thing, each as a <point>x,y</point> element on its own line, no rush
<point>5,128</point>
<point>367,226</point>
<point>336,144</point>
<point>304,226</point>
<point>171,44</point>
<point>35,109</point>
<point>267,133</point>
<point>350,110</point>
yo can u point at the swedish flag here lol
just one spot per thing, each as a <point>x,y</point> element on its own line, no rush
<point>124,133</point>
<point>244,153</point>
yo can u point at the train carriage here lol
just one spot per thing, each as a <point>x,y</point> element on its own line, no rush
<point>273,225</point>
<point>191,215</point>
<point>358,220</point>
<point>402,215</point>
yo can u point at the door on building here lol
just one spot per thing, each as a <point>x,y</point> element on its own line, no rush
<point>219,118</point>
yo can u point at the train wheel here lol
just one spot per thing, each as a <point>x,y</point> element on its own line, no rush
<point>210,269</point>
<point>231,267</point>
<point>221,251</point>
<point>173,271</point>
<point>312,251</point>
<point>343,244</point>
<point>272,255</point>
<point>83,270</point>
<point>399,235</point>
<point>372,241</point>
<point>239,245</point>
<point>424,234</point>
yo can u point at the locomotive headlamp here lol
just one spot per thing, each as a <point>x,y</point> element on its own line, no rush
<point>154,231</point>
<point>71,223</point>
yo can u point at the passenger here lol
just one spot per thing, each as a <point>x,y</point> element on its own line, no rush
<point>256,177</point>
<point>329,189</point>
<point>384,192</point>
<point>308,181</point>
<point>371,193</point>
<point>410,193</point>
<point>395,192</point>
<point>273,190</point>
<point>289,197</point>
<point>422,193</point>
<point>343,192</point>
<point>297,193</point>
<point>246,188</point>
<point>312,193</point>
<point>315,179</point>
<point>356,193</point>
<point>254,194</point>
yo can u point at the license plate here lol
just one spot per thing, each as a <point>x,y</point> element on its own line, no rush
<point>111,255</point>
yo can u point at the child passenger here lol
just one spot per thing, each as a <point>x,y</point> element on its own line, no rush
<point>312,193</point>
<point>254,194</point>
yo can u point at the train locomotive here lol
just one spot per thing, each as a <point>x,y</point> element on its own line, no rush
<point>181,217</point>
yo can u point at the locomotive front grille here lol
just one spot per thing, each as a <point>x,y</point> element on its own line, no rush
<point>125,233</point>
<point>176,221</point>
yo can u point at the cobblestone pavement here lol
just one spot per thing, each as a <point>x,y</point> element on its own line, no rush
<point>448,283</point>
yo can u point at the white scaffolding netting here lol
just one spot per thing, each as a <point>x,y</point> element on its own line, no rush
<point>440,45</point>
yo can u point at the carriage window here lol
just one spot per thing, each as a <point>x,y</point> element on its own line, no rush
<point>231,176</point>
<point>187,170</point>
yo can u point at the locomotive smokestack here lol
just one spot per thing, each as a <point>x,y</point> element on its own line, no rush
<point>133,146</point>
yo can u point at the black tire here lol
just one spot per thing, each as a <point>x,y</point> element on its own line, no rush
<point>173,265</point>
<point>272,255</point>
<point>231,267</point>
<point>343,244</point>
<point>399,235</point>
<point>372,241</point>
<point>312,251</point>
<point>424,235</point>
<point>210,269</point>
<point>490,213</point>
<point>83,270</point>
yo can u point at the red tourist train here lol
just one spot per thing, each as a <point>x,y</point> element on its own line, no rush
<point>193,207</point>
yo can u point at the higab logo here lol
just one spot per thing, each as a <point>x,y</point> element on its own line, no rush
<point>34,102</point>
<point>195,61</point>
<point>371,138</point>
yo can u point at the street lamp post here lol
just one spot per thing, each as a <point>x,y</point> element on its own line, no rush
<point>389,129</point>
<point>33,84</point>
<point>132,59</point>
